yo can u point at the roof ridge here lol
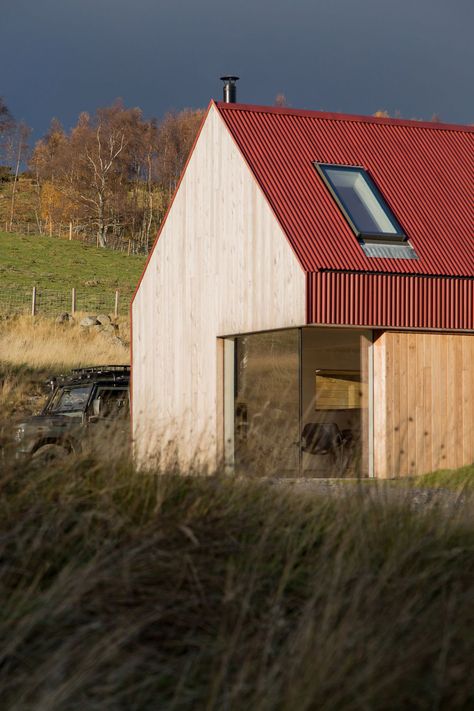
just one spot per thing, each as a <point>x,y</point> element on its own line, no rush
<point>354,118</point>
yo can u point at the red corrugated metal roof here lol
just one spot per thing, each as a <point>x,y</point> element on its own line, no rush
<point>425,171</point>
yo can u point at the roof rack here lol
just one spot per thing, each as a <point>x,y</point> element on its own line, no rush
<point>114,372</point>
<point>103,369</point>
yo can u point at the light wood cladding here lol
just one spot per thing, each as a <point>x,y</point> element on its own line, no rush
<point>222,266</point>
<point>423,402</point>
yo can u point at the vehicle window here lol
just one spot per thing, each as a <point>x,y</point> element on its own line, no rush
<point>70,399</point>
<point>114,402</point>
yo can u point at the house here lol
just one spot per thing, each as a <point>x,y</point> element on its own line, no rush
<point>309,301</point>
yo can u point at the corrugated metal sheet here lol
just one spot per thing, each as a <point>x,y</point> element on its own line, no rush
<point>390,300</point>
<point>392,251</point>
<point>425,172</point>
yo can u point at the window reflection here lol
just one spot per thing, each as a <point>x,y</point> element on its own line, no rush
<point>301,403</point>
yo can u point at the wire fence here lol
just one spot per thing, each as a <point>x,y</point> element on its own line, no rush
<point>81,233</point>
<point>52,302</point>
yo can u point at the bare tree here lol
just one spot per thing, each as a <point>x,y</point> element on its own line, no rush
<point>19,148</point>
<point>7,121</point>
<point>115,171</point>
<point>280,100</point>
<point>176,135</point>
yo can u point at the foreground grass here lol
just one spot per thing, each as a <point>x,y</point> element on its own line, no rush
<point>54,263</point>
<point>135,591</point>
<point>458,479</point>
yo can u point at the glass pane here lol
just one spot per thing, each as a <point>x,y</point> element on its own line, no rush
<point>266,424</point>
<point>111,402</point>
<point>334,402</point>
<point>361,202</point>
<point>70,400</point>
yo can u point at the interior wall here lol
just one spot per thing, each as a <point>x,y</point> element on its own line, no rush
<point>423,402</point>
<point>221,266</point>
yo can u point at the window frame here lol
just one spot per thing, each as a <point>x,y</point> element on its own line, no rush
<point>378,236</point>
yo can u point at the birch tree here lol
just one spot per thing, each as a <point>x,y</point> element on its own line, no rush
<point>18,152</point>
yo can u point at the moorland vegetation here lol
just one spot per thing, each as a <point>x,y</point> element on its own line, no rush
<point>142,590</point>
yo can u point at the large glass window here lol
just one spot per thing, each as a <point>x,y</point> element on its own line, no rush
<point>266,415</point>
<point>361,202</point>
<point>335,399</point>
<point>297,403</point>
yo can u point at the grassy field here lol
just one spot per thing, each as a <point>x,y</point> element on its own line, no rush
<point>123,590</point>
<point>54,263</point>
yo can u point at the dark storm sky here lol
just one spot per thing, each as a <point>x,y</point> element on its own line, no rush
<point>60,57</point>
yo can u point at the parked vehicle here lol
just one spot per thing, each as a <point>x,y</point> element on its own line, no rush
<point>83,406</point>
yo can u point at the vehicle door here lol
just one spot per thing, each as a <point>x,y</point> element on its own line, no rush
<point>109,416</point>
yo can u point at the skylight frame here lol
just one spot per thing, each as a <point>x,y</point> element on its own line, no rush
<point>363,235</point>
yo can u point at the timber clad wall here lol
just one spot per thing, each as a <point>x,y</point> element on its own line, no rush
<point>424,402</point>
<point>221,266</point>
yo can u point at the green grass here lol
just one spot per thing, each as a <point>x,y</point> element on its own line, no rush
<point>123,590</point>
<point>462,478</point>
<point>54,263</point>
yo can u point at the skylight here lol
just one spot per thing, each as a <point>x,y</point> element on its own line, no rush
<point>361,202</point>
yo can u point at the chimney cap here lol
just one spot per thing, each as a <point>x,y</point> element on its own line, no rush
<point>230,88</point>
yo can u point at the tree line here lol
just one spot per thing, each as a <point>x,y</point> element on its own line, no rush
<point>110,178</point>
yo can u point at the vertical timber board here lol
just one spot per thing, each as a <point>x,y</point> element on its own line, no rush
<point>426,415</point>
<point>393,378</point>
<point>424,400</point>
<point>458,402</point>
<point>221,266</point>
<point>419,398</point>
<point>467,390</point>
<point>381,413</point>
<point>412,395</point>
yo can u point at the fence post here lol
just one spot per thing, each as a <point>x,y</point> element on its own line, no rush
<point>73,301</point>
<point>33,302</point>
<point>116,303</point>
<point>70,231</point>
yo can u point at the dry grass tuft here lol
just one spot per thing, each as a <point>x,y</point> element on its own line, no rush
<point>123,590</point>
<point>42,343</point>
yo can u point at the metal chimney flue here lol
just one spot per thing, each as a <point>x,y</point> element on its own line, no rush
<point>230,89</point>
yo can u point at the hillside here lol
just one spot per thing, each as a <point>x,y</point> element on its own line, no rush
<point>56,265</point>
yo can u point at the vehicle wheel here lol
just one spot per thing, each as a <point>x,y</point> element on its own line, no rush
<point>49,453</point>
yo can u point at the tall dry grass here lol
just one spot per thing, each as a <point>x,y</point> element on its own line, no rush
<point>42,343</point>
<point>123,590</point>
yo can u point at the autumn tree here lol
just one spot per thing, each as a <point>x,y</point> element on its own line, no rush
<point>6,121</point>
<point>17,150</point>
<point>45,163</point>
<point>176,135</point>
<point>115,170</point>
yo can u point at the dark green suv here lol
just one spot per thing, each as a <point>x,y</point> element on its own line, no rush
<point>84,406</point>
